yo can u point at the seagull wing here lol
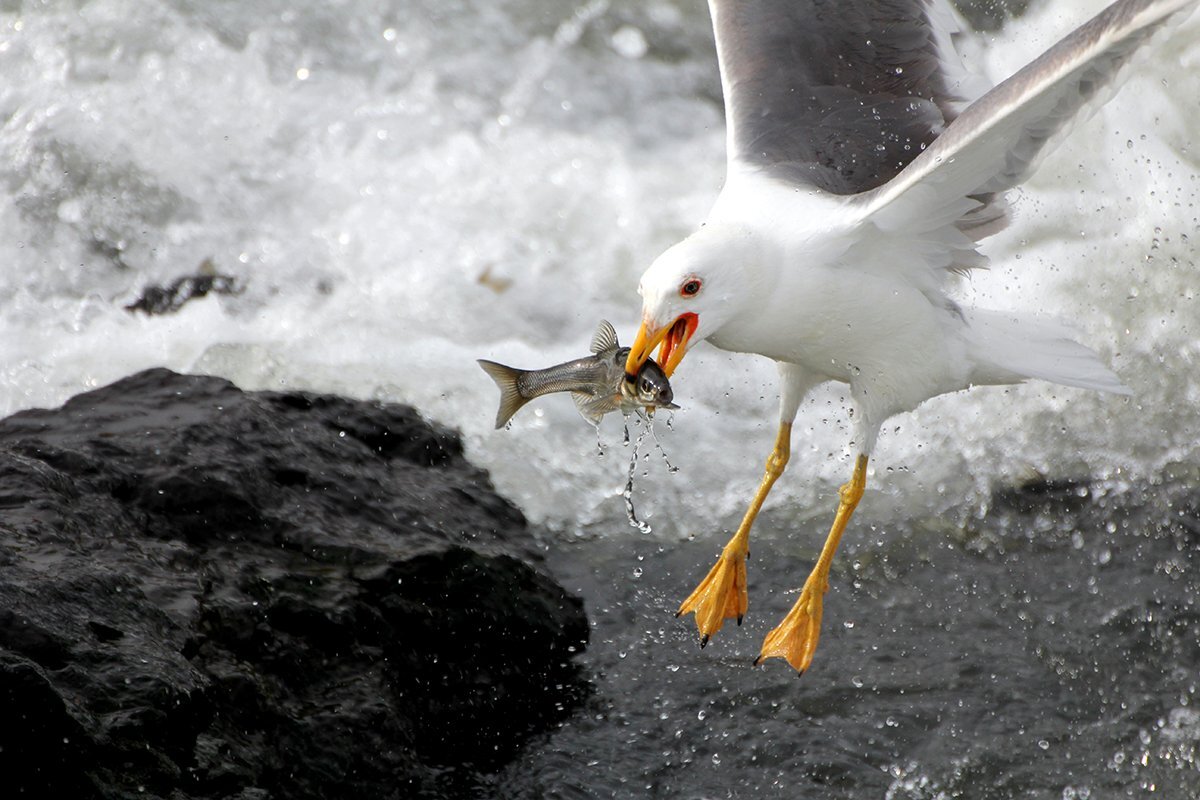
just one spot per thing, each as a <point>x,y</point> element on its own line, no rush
<point>839,95</point>
<point>997,142</point>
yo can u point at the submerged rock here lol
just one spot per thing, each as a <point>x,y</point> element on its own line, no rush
<point>212,593</point>
<point>172,297</point>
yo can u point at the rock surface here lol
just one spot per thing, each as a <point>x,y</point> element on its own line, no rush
<point>212,593</point>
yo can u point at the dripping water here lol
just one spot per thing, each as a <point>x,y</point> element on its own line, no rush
<point>671,468</point>
<point>646,423</point>
<point>630,513</point>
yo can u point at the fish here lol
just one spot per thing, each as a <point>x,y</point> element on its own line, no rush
<point>597,382</point>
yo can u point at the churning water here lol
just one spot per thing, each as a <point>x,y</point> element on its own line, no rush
<point>402,186</point>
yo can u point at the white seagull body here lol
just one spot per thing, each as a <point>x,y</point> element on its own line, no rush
<point>865,163</point>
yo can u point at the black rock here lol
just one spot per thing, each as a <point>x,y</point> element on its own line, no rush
<point>212,593</point>
<point>990,15</point>
<point>171,298</point>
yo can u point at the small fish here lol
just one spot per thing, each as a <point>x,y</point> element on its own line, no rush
<point>597,382</point>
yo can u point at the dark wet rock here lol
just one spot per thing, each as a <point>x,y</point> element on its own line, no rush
<point>990,15</point>
<point>172,297</point>
<point>1033,495</point>
<point>211,593</point>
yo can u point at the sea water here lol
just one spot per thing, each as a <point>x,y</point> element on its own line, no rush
<point>402,187</point>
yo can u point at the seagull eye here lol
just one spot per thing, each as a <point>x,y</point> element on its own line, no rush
<point>690,288</point>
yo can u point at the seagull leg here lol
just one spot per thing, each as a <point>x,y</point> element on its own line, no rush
<point>722,594</point>
<point>796,637</point>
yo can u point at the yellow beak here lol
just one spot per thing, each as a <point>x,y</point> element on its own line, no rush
<point>674,339</point>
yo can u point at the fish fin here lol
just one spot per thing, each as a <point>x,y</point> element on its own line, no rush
<point>511,398</point>
<point>592,407</point>
<point>605,338</point>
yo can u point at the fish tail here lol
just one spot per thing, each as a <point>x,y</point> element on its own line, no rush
<point>511,398</point>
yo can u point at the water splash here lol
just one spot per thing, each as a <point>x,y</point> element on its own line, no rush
<point>332,240</point>
<point>671,468</point>
<point>646,424</point>
<point>627,493</point>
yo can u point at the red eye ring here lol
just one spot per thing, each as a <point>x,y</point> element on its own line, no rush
<point>691,287</point>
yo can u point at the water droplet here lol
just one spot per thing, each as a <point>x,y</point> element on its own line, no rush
<point>637,572</point>
<point>701,714</point>
<point>1042,743</point>
<point>629,42</point>
<point>627,494</point>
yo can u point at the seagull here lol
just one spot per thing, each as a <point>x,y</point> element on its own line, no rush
<point>865,164</point>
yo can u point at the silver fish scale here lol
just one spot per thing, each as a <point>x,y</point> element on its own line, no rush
<point>588,375</point>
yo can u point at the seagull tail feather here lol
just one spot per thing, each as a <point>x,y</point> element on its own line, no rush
<point>1009,349</point>
<point>511,398</point>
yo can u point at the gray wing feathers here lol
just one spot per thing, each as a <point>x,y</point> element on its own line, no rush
<point>837,94</point>
<point>996,142</point>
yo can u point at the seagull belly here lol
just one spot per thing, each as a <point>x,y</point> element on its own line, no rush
<point>882,336</point>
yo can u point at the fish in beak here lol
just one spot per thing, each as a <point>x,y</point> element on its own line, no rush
<point>674,339</point>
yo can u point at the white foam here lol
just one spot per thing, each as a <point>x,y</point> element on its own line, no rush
<point>402,196</point>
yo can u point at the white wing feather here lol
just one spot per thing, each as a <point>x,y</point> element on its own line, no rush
<point>997,141</point>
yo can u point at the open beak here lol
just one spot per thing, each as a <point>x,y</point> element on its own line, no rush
<point>673,338</point>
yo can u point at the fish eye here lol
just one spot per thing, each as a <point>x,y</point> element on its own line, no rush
<point>690,287</point>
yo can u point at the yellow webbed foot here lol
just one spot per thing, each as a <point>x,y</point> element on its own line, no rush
<point>721,595</point>
<point>795,638</point>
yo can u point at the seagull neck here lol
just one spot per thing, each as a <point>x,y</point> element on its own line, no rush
<point>740,254</point>
<point>740,281</point>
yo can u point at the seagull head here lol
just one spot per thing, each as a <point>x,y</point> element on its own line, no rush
<point>688,294</point>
